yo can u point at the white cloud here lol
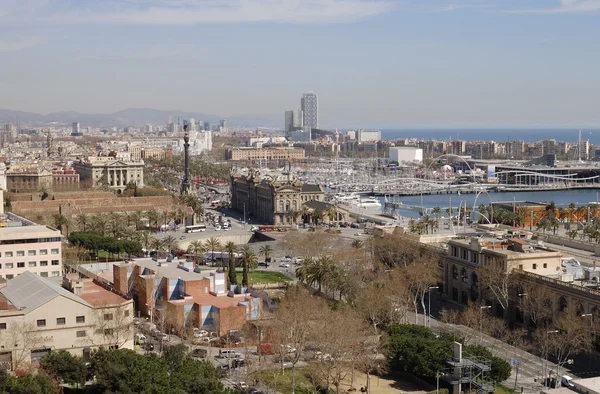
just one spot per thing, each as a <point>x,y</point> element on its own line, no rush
<point>187,12</point>
<point>19,44</point>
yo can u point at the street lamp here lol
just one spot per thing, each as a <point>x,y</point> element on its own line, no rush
<point>429,306</point>
<point>546,358</point>
<point>481,308</point>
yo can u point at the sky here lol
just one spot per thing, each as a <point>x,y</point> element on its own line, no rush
<point>373,63</point>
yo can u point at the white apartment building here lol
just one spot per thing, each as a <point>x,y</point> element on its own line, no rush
<point>405,153</point>
<point>368,135</point>
<point>38,315</point>
<point>27,246</point>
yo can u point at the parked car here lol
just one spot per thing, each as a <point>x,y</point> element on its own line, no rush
<point>148,347</point>
<point>198,333</point>
<point>263,264</point>
<point>241,385</point>
<point>284,265</point>
<point>227,228</point>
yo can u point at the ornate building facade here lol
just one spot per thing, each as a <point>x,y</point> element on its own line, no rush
<point>117,174</point>
<point>271,197</point>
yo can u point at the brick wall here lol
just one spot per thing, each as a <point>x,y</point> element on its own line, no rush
<point>120,278</point>
<point>232,318</point>
<point>197,288</point>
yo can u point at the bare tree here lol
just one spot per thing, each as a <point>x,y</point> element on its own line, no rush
<point>22,337</point>
<point>340,333</point>
<point>420,276</point>
<point>297,319</point>
<point>535,302</point>
<point>496,280</point>
<point>113,325</point>
<point>572,337</point>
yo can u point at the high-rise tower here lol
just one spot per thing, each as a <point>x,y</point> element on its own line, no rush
<point>185,184</point>
<point>310,108</point>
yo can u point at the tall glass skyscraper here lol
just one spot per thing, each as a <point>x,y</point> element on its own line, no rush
<point>310,108</point>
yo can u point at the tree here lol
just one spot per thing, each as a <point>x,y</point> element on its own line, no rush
<point>572,337</point>
<point>112,326</point>
<point>124,371</point>
<point>28,384</point>
<point>196,247</point>
<point>500,369</point>
<point>231,250</point>
<point>64,367</point>
<point>23,337</point>
<point>213,244</point>
<point>82,220</point>
<point>496,280</point>
<point>374,306</point>
<point>62,222</point>
<point>535,302</point>
<point>171,243</point>
<point>249,260</point>
<point>420,276</point>
<point>415,349</point>
<point>297,318</point>
<point>266,251</point>
<point>340,334</point>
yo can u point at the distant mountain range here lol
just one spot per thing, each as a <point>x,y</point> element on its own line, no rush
<point>133,117</point>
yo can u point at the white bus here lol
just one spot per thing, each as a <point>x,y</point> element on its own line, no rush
<point>195,228</point>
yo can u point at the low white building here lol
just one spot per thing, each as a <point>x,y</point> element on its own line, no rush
<point>406,154</point>
<point>38,315</point>
<point>28,246</point>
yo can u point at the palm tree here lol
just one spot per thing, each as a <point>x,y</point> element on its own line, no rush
<point>213,244</point>
<point>317,215</point>
<point>436,211</point>
<point>266,251</point>
<point>61,222</point>
<point>99,222</point>
<point>157,244</point>
<point>171,243</point>
<point>145,239</point>
<point>82,220</point>
<point>231,250</point>
<point>249,260</point>
<point>115,222</point>
<point>196,247</point>
<point>331,213</point>
<point>136,217</point>
<point>304,213</point>
<point>153,218</point>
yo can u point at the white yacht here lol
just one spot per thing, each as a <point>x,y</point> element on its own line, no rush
<point>368,203</point>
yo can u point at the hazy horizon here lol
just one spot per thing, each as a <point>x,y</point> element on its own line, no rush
<point>373,63</point>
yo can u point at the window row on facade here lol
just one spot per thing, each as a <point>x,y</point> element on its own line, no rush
<point>31,252</point>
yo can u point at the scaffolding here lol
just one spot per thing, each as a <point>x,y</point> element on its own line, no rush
<point>472,371</point>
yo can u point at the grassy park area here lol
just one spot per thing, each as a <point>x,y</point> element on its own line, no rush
<point>260,277</point>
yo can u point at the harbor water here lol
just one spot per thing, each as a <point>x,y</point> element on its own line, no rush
<point>562,199</point>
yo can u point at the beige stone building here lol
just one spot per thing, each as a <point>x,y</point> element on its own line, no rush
<point>466,256</point>
<point>116,174</point>
<point>38,315</point>
<point>236,154</point>
<point>271,197</point>
<point>27,246</point>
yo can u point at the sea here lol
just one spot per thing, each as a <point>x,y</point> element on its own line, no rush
<point>499,135</point>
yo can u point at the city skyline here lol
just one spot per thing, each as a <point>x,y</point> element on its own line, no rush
<point>376,64</point>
